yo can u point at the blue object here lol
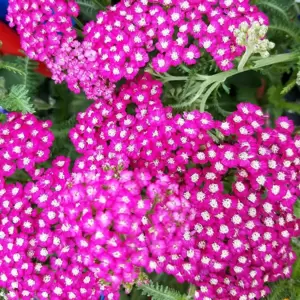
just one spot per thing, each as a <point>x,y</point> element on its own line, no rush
<point>3,12</point>
<point>4,111</point>
<point>102,297</point>
<point>3,9</point>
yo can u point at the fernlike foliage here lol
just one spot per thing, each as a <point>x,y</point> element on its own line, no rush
<point>19,96</point>
<point>208,202</point>
<point>159,292</point>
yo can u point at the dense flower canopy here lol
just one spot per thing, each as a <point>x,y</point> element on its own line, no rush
<point>129,35</point>
<point>208,202</point>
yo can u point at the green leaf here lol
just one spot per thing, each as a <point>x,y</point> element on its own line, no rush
<point>276,7</point>
<point>159,292</point>
<point>297,210</point>
<point>288,87</point>
<point>287,30</point>
<point>20,70</point>
<point>296,269</point>
<point>88,8</point>
<point>278,102</point>
<point>17,100</point>
<point>40,104</point>
<point>275,100</point>
<point>12,67</point>
<point>31,78</point>
<point>280,291</point>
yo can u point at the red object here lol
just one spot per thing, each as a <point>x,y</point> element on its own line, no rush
<point>260,92</point>
<point>11,46</point>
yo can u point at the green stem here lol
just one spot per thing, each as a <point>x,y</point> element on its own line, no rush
<point>192,290</point>
<point>79,32</point>
<point>185,68</point>
<point>202,77</point>
<point>206,95</point>
<point>78,22</point>
<point>221,77</point>
<point>213,81</point>
<point>165,77</point>
<point>245,58</point>
<point>174,78</point>
<point>275,59</point>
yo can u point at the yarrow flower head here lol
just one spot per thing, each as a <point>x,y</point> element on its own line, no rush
<point>102,219</point>
<point>24,142</point>
<point>204,232</point>
<point>128,36</point>
<point>28,214</point>
<point>148,192</point>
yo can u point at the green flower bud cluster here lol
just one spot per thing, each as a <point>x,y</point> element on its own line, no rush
<point>253,38</point>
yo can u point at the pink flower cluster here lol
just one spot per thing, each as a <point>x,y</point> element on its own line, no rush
<point>47,35</point>
<point>24,142</point>
<point>101,215</point>
<point>208,202</point>
<point>127,36</point>
<point>28,240</point>
<point>225,217</point>
<point>172,31</point>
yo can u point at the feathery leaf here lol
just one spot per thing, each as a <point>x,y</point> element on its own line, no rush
<point>159,292</point>
<point>88,8</point>
<point>12,67</point>
<point>277,8</point>
<point>17,100</point>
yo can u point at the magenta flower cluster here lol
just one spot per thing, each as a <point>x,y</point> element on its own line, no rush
<point>208,202</point>
<point>24,142</point>
<point>127,36</point>
<point>228,239</point>
<point>29,241</point>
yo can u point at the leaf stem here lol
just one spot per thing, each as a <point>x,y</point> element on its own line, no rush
<point>78,23</point>
<point>99,4</point>
<point>274,59</point>
<point>245,58</point>
<point>185,68</point>
<point>192,290</point>
<point>79,32</point>
<point>207,94</point>
<point>214,81</point>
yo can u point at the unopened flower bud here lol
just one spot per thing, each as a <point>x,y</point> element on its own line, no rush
<point>252,39</point>
<point>256,48</point>
<point>256,25</point>
<point>271,45</point>
<point>263,31</point>
<point>236,32</point>
<point>244,27</point>
<point>264,45</point>
<point>265,54</point>
<point>240,41</point>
